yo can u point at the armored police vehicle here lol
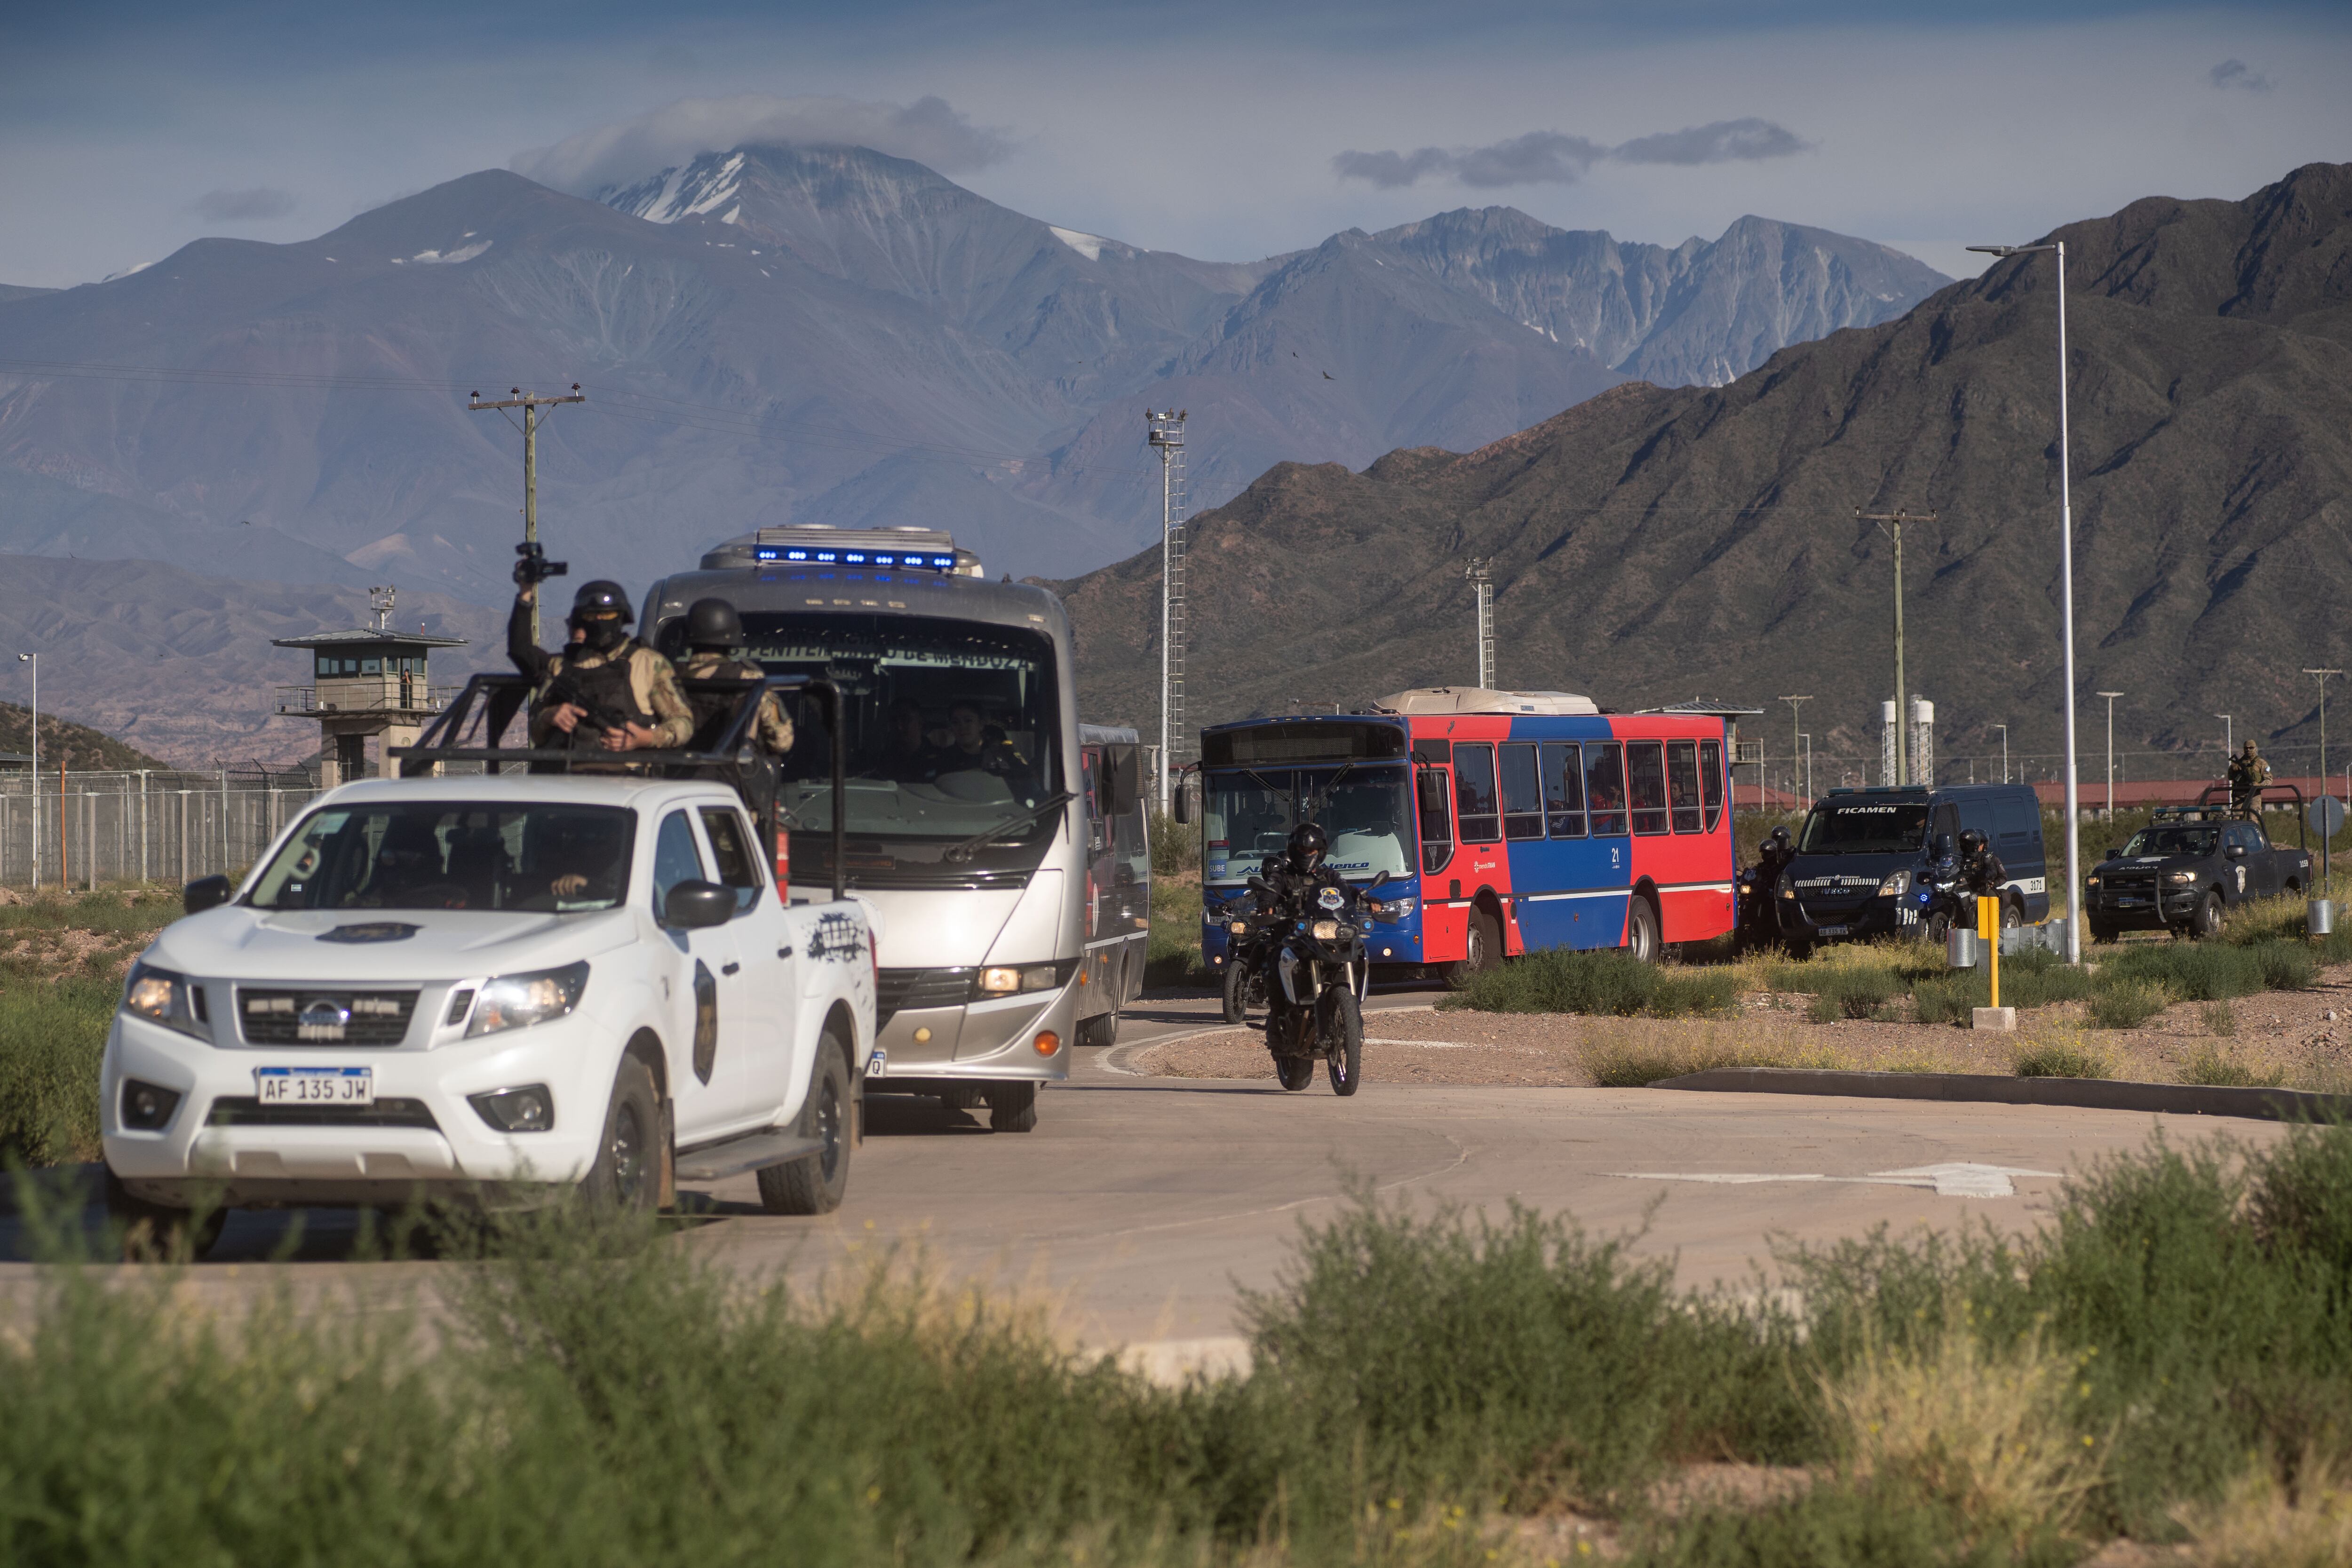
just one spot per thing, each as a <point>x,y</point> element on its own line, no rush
<point>2189,866</point>
<point>482,985</point>
<point>1860,854</point>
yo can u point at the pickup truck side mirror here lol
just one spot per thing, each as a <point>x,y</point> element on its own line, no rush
<point>206,893</point>
<point>697,906</point>
<point>2235,852</point>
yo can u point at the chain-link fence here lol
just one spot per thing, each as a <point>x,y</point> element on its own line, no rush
<point>82,830</point>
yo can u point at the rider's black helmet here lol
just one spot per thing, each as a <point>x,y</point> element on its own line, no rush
<point>1308,843</point>
<point>713,623</point>
<point>1972,841</point>
<point>602,600</point>
<point>1780,837</point>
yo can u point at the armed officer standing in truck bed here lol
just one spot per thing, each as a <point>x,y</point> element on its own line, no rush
<point>713,632</point>
<point>605,683</point>
<point>2248,773</point>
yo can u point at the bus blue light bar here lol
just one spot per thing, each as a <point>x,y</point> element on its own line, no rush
<point>912,559</point>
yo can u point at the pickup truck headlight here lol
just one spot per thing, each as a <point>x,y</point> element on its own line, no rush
<point>518,1001</point>
<point>1392,908</point>
<point>2092,881</point>
<point>160,996</point>
<point>1007,980</point>
<point>1893,888</point>
<point>1326,930</point>
<point>2180,876</point>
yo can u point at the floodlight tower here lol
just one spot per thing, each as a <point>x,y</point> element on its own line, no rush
<point>1481,578</point>
<point>1165,431</point>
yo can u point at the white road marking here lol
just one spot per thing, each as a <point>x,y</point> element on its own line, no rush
<point>1431,1044</point>
<point>1955,1179</point>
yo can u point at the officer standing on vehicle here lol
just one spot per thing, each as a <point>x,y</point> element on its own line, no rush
<point>1981,872</point>
<point>2248,773</point>
<point>604,682</point>
<point>713,632</point>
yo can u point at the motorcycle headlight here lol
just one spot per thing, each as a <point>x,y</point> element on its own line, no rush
<point>1326,930</point>
<point>160,996</point>
<point>1239,928</point>
<point>518,1001</point>
<point>1896,882</point>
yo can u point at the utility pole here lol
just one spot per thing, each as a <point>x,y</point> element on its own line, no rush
<point>1902,698</point>
<point>35,660</point>
<point>1165,432</point>
<point>1481,578</point>
<point>1796,735</point>
<point>530,402</point>
<point>2004,751</point>
<point>2111,697</point>
<point>1807,739</point>
<point>2229,740</point>
<point>2322,675</point>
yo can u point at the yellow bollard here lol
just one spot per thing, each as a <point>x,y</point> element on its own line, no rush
<point>1988,932</point>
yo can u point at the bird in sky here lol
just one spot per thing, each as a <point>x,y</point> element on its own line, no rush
<point>1327,375</point>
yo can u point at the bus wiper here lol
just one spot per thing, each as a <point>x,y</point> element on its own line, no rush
<point>1283,793</point>
<point>965,850</point>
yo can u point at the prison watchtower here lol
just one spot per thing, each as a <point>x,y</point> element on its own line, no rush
<point>370,681</point>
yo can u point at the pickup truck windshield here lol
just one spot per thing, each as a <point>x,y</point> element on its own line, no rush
<point>1866,828</point>
<point>2179,838</point>
<point>953,727</point>
<point>448,855</point>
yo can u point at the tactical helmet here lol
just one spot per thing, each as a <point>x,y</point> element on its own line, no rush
<point>1779,835</point>
<point>713,623</point>
<point>1307,844</point>
<point>1972,841</point>
<point>602,600</point>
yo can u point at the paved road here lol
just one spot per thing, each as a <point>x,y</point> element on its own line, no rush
<point>1142,1202</point>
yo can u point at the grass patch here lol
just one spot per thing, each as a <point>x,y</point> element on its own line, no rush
<point>2060,1053</point>
<point>1609,983</point>
<point>59,987</point>
<point>1636,1059</point>
<point>2125,1004</point>
<point>2212,972</point>
<point>1172,955</point>
<point>2208,1063</point>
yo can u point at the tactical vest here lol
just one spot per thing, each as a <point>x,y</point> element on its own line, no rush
<point>711,707</point>
<point>608,685</point>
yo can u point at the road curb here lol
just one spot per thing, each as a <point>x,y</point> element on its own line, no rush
<point>1989,1089</point>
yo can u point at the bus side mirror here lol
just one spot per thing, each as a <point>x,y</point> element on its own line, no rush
<point>1379,881</point>
<point>1180,806</point>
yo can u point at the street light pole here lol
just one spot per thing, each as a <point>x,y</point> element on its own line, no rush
<point>2228,741</point>
<point>2004,751</point>
<point>2066,605</point>
<point>1796,735</point>
<point>1807,738</point>
<point>35,660</point>
<point>2111,697</point>
<point>2322,675</point>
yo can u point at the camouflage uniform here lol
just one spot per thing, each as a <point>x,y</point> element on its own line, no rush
<point>2248,773</point>
<point>632,677</point>
<point>773,727</point>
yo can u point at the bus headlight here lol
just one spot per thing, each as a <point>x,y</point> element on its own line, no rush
<point>1007,979</point>
<point>1391,909</point>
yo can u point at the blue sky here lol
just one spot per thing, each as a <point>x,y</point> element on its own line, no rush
<point>1220,130</point>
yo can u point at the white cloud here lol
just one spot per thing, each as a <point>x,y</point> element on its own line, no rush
<point>1553,158</point>
<point>929,131</point>
<point>2238,74</point>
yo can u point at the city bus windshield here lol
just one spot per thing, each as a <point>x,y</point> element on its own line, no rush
<point>1866,828</point>
<point>1247,815</point>
<point>953,728</point>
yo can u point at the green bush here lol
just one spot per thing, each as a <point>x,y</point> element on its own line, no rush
<point>52,1036</point>
<point>2061,1054</point>
<point>2125,1004</point>
<point>1175,846</point>
<point>1609,982</point>
<point>2212,972</point>
<point>1851,992</point>
<point>2209,1065</point>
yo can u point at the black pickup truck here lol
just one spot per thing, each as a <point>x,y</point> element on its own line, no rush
<point>2185,867</point>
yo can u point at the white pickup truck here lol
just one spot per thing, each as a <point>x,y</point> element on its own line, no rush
<point>468,985</point>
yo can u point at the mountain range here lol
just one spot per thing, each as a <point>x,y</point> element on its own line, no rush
<point>1654,544</point>
<point>816,333</point>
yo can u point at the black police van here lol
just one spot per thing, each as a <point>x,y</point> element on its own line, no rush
<point>1860,853</point>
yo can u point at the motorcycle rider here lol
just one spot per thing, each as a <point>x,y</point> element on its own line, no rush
<point>1772,857</point>
<point>1302,872</point>
<point>1981,872</point>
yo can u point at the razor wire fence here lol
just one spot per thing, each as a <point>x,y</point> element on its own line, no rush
<point>86,830</point>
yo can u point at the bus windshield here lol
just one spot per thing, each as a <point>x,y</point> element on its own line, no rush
<point>1866,828</point>
<point>953,728</point>
<point>1247,815</point>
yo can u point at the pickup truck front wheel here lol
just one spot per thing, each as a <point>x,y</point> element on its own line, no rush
<point>2206,923</point>
<point>626,1175</point>
<point>815,1184</point>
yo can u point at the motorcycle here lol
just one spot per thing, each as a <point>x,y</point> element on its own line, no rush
<point>1758,927</point>
<point>1935,891</point>
<point>1316,975</point>
<point>1247,931</point>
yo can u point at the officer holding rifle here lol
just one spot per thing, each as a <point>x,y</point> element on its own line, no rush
<point>604,689</point>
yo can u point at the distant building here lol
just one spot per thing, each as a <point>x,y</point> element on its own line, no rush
<point>368,681</point>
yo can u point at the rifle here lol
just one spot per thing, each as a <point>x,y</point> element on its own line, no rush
<point>596,717</point>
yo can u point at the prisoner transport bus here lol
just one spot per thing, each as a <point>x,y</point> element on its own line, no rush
<point>967,821</point>
<point>1527,820</point>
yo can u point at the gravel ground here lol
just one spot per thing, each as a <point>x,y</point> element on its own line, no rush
<point>2303,1037</point>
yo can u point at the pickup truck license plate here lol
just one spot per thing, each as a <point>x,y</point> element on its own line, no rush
<point>314,1086</point>
<point>1832,930</point>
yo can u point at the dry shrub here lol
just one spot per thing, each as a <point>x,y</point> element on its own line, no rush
<point>1644,1051</point>
<point>1994,1437</point>
<point>2059,1050</point>
<point>2258,1524</point>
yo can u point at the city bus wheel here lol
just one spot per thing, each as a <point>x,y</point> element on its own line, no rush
<point>1642,931</point>
<point>1343,1041</point>
<point>1482,949</point>
<point>1236,993</point>
<point>1012,1107</point>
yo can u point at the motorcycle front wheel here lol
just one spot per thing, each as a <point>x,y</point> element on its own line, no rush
<point>1343,1041</point>
<point>1295,1072</point>
<point>1236,991</point>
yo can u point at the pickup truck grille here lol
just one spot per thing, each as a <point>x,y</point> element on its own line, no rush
<point>271,1017</point>
<point>243,1110</point>
<point>918,988</point>
<point>2136,883</point>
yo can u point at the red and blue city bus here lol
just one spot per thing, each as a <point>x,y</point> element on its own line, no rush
<point>1527,820</point>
